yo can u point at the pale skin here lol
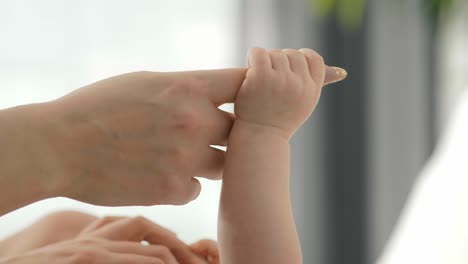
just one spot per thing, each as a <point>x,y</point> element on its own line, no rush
<point>122,141</point>
<point>74,237</point>
<point>280,91</point>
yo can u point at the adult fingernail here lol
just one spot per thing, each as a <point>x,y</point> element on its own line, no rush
<point>334,74</point>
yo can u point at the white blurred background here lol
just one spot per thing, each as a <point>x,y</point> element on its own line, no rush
<point>49,48</point>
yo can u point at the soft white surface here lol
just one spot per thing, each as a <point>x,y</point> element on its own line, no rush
<point>51,47</point>
<point>434,226</point>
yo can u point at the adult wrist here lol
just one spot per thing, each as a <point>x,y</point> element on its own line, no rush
<point>33,133</point>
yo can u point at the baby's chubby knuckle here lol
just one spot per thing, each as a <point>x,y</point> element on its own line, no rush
<point>312,56</point>
<point>292,86</point>
<point>315,57</point>
<point>319,60</point>
<point>292,52</point>
<point>260,76</point>
<point>277,52</point>
<point>257,51</point>
<point>294,81</point>
<point>285,80</point>
<point>259,54</point>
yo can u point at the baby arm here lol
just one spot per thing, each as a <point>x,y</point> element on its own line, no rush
<point>279,93</point>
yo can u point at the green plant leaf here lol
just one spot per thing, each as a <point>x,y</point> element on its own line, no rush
<point>323,7</point>
<point>350,13</point>
<point>435,9</point>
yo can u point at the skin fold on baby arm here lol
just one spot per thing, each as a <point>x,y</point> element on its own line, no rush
<point>280,91</point>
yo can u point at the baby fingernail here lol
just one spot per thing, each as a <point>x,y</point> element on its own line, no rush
<point>334,74</point>
<point>342,73</point>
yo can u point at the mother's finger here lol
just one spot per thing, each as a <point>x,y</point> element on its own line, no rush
<point>220,125</point>
<point>139,229</point>
<point>208,249</point>
<point>96,224</point>
<point>220,86</point>
<point>119,258</point>
<point>205,247</point>
<point>135,229</point>
<point>136,248</point>
<point>210,163</point>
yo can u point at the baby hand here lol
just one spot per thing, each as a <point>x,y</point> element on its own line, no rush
<point>282,88</point>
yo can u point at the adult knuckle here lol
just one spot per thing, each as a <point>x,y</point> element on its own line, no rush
<point>56,220</point>
<point>180,195</point>
<point>181,88</point>
<point>86,241</point>
<point>187,121</point>
<point>106,220</point>
<point>173,187</point>
<point>84,255</point>
<point>139,220</point>
<point>166,173</point>
<point>58,217</point>
<point>187,87</point>
<point>180,200</point>
<point>164,251</point>
<point>178,155</point>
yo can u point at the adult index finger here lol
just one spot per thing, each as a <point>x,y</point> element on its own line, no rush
<point>141,229</point>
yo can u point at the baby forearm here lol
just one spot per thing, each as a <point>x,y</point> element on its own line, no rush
<point>255,219</point>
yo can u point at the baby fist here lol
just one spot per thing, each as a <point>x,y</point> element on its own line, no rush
<point>281,88</point>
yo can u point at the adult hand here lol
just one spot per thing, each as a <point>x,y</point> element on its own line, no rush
<point>53,228</point>
<point>134,139</point>
<point>140,229</point>
<point>94,250</point>
<point>47,237</point>
<point>208,249</point>
<point>140,138</point>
